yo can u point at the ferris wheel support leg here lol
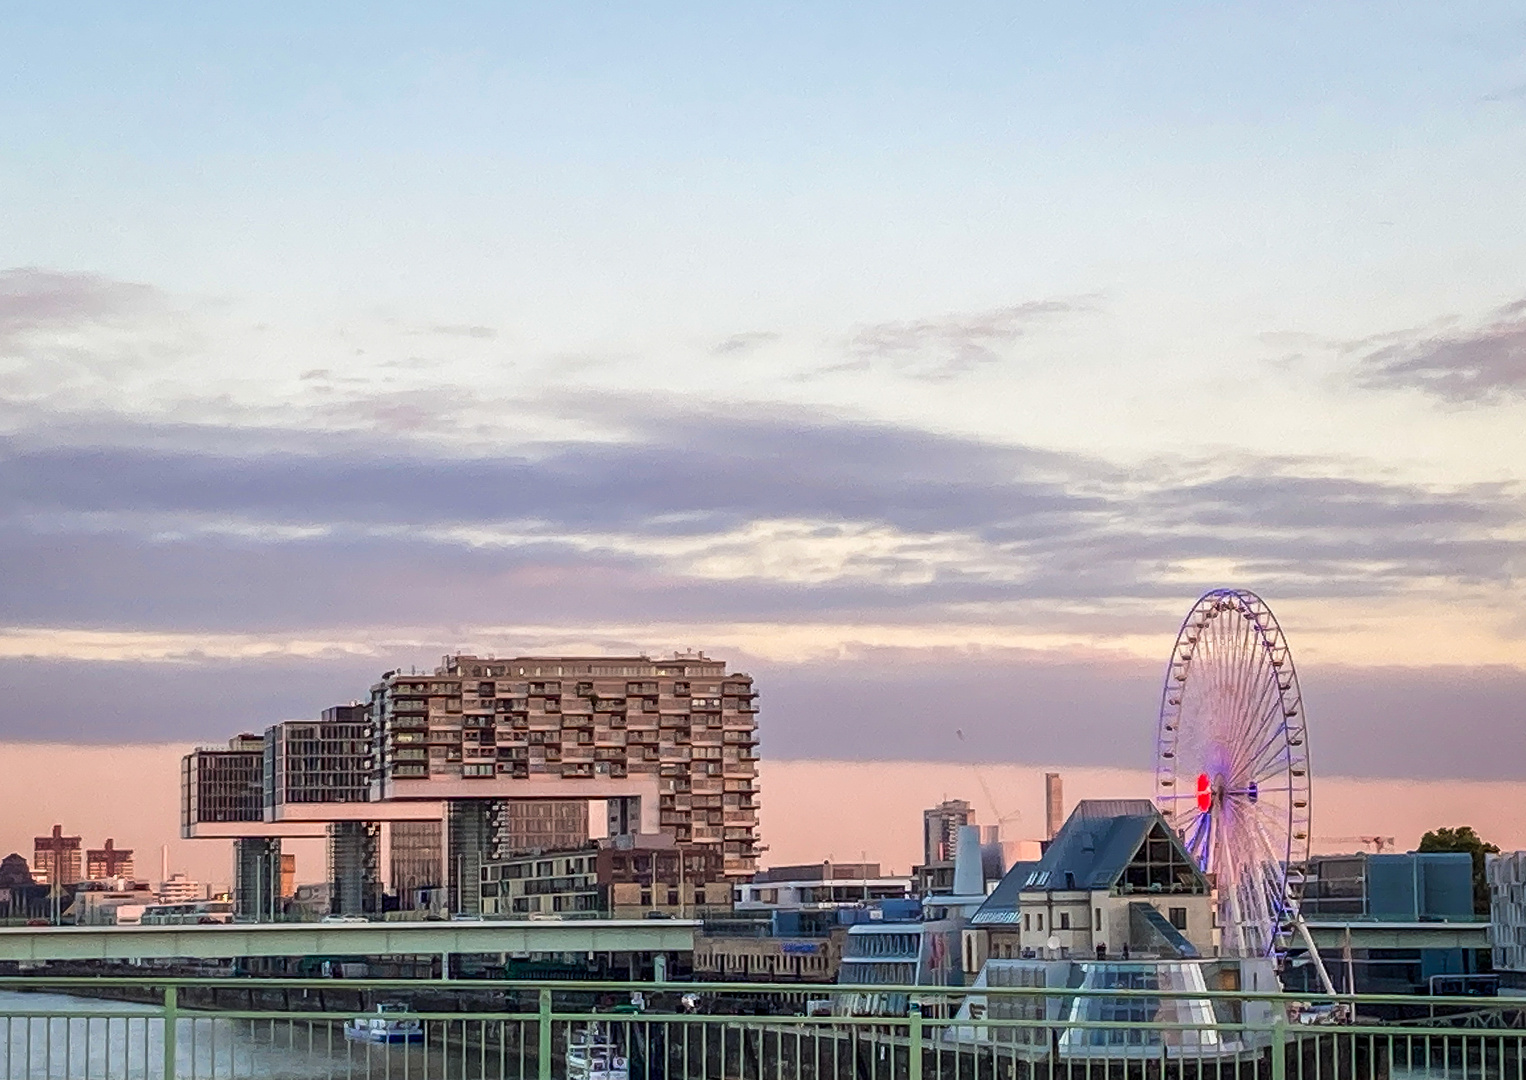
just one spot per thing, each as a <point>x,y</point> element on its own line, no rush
<point>1319,962</point>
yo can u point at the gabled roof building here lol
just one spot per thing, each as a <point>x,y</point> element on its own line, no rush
<point>1114,882</point>
<point>1116,902</point>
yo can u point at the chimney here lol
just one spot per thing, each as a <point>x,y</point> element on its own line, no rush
<point>968,878</point>
<point>1054,805</point>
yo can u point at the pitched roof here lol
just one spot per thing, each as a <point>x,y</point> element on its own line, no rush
<point>1091,851</point>
<point>1001,905</point>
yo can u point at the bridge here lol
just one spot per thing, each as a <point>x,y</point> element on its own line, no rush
<point>31,944</point>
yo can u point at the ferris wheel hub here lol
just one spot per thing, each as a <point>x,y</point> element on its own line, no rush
<point>1226,720</point>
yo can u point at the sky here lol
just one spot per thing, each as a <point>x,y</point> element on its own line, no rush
<point>926,362</point>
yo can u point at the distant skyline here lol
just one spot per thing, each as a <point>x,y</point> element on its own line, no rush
<point>336,339</point>
<point>812,810</point>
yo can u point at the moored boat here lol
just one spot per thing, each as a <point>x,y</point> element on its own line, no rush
<point>392,1022</point>
<point>593,1054</point>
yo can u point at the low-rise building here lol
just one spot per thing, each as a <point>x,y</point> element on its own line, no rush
<point>820,885</point>
<point>624,877</point>
<point>179,888</point>
<point>1115,881</point>
<point>103,904</point>
<point>771,946</point>
<point>1410,899</point>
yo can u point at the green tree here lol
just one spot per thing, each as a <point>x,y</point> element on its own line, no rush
<point>1464,839</point>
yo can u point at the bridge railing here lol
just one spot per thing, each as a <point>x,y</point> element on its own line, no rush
<point>211,1029</point>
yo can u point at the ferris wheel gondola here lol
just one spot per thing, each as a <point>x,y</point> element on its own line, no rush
<point>1232,767</point>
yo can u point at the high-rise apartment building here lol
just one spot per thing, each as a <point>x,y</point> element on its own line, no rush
<point>485,757</point>
<point>940,829</point>
<point>680,733</point>
<point>328,761</point>
<point>107,862</point>
<point>940,845</point>
<point>223,784</point>
<point>56,858</point>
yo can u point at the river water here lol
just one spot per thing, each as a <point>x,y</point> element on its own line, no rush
<point>109,1040</point>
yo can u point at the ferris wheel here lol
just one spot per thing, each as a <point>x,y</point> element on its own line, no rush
<point>1232,767</point>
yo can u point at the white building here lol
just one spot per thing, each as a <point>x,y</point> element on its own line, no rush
<point>180,889</point>
<point>1507,915</point>
<point>1115,882</point>
<point>820,885</point>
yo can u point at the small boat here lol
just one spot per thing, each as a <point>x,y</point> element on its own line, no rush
<point>390,1023</point>
<point>593,1054</point>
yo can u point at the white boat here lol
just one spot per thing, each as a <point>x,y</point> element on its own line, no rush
<point>593,1054</point>
<point>390,1023</point>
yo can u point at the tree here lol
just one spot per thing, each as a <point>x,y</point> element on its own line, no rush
<point>1465,840</point>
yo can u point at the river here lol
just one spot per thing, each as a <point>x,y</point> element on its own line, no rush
<point>108,1040</point>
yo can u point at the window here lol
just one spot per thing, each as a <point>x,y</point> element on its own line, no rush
<point>1027,921</point>
<point>1096,918</point>
<point>1039,918</point>
<point>1064,920</point>
<point>1178,917</point>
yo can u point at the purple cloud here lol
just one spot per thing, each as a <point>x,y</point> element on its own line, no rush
<point>1482,364</point>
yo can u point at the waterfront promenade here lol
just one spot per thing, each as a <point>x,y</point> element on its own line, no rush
<point>206,1029</point>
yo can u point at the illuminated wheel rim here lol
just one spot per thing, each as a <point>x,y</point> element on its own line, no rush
<point>1232,765</point>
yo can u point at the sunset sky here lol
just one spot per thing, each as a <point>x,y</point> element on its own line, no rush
<point>867,347</point>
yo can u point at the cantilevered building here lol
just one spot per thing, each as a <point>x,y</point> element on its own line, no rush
<point>668,744</point>
<point>485,757</point>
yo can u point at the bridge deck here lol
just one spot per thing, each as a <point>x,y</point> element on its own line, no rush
<point>33,943</point>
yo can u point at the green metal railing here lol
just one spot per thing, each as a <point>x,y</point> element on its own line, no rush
<point>210,1029</point>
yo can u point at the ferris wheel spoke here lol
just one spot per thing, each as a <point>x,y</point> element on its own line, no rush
<point>1226,711</point>
<point>1267,697</point>
<point>1273,746</point>
<point>1265,711</point>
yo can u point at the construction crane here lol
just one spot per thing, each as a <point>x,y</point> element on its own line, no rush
<point>985,788</point>
<point>1379,844</point>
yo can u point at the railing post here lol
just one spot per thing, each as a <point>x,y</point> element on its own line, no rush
<point>1279,1040</point>
<point>543,1055</point>
<point>914,1041</point>
<point>171,1022</point>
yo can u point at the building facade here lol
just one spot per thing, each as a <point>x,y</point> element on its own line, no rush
<point>327,761</point>
<point>223,784</point>
<point>625,877</point>
<point>180,889</point>
<point>1507,916</point>
<point>484,757</point>
<point>681,733</point>
<point>820,885</point>
<point>56,858</point>
<point>1115,882</point>
<point>940,845</point>
<point>108,862</point>
<point>768,957</point>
